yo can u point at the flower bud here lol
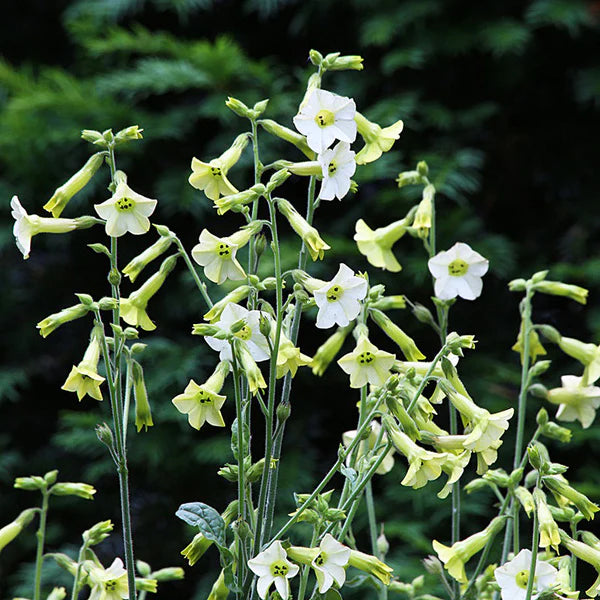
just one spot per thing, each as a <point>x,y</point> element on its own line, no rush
<point>556,432</point>
<point>335,62</point>
<point>82,490</point>
<point>550,333</point>
<point>525,498</point>
<point>255,471</point>
<point>498,477</point>
<point>327,351</point>
<point>133,132</point>
<point>143,568</point>
<point>390,302</point>
<point>57,593</point>
<point>54,321</point>
<point>143,413</point>
<point>409,178</point>
<point>97,533</point>
<point>283,411</point>
<point>137,264</point>
<point>289,135</point>
<point>93,136</point>
<point>422,168</point>
<point>556,288</point>
<point>542,417</point>
<point>383,546</point>
<point>237,202</point>
<point>404,342</point>
<point>131,333</point>
<point>537,457</point>
<point>30,484</point>
<point>315,57</point>
<point>539,368</point>
<point>238,107</point>
<point>105,435</point>
<point>50,477</point>
<point>517,285</point>
<point>168,574</point>
<point>207,330</point>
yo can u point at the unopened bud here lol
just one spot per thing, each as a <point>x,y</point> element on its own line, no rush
<point>97,533</point>
<point>316,58</point>
<point>542,417</point>
<point>108,303</point>
<point>550,333</point>
<point>133,132</point>
<point>168,574</point>
<point>51,476</point>
<point>409,178</point>
<point>517,285</point>
<point>283,411</point>
<point>81,490</point>
<point>277,179</point>
<point>555,431</point>
<point>335,62</point>
<point>93,136</point>
<point>143,568</point>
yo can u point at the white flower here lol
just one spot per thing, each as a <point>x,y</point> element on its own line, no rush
<point>339,299</point>
<point>330,562</point>
<point>250,334</point>
<point>512,577</point>
<point>576,401</point>
<point>367,364</point>
<point>458,272</point>
<point>26,226</point>
<point>126,210</point>
<point>326,117</point>
<point>107,584</point>
<point>338,166</point>
<point>272,566</point>
<point>217,256</point>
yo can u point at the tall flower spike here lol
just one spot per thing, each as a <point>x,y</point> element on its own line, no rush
<point>249,333</point>
<point>211,177</point>
<point>339,299</point>
<point>326,117</point>
<point>126,210</point>
<point>273,567</point>
<point>202,403</point>
<point>367,364</point>
<point>513,577</point>
<point>133,308</point>
<point>575,400</point>
<point>377,139</point>
<point>84,378</point>
<point>455,556</point>
<point>377,244</point>
<point>26,226</point>
<point>458,272</point>
<point>337,166</point>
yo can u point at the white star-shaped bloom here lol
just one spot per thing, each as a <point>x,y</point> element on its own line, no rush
<point>330,563</point>
<point>250,334</point>
<point>217,256</point>
<point>339,299</point>
<point>367,364</point>
<point>273,566</point>
<point>107,584</point>
<point>512,577</point>
<point>458,272</point>
<point>576,401</point>
<point>338,166</point>
<point>326,117</point>
<point>126,210</point>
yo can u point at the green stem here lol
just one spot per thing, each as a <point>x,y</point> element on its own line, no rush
<point>41,536</point>
<point>573,574</point>
<point>534,550</point>
<point>306,568</point>
<point>75,591</point>
<point>200,284</point>
<point>258,168</point>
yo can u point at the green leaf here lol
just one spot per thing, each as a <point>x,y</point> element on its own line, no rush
<point>206,518</point>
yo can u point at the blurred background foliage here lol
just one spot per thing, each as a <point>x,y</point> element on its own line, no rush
<point>502,101</point>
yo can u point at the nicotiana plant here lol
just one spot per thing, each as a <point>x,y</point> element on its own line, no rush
<point>254,328</point>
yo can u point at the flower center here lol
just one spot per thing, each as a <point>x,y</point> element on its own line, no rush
<point>124,204</point>
<point>215,171</point>
<point>320,560</point>
<point>110,586</point>
<point>245,333</point>
<point>366,358</point>
<point>279,569</point>
<point>458,268</point>
<point>522,578</point>
<point>324,118</point>
<point>203,397</point>
<point>332,168</point>
<point>224,250</point>
<point>334,293</point>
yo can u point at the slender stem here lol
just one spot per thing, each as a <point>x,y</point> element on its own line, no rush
<point>258,168</point>
<point>306,568</point>
<point>534,550</point>
<point>127,400</point>
<point>75,591</point>
<point>426,377</point>
<point>573,574</point>
<point>200,284</point>
<point>41,536</point>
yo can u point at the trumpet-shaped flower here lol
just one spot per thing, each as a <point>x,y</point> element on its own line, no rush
<point>455,556</point>
<point>133,308</point>
<point>549,535</point>
<point>535,346</point>
<point>289,358</point>
<point>84,378</point>
<point>273,566</point>
<point>330,564</point>
<point>338,166</point>
<point>328,350</point>
<point>249,333</point>
<point>513,577</point>
<point>372,439</point>
<point>135,266</point>
<point>211,177</point>
<point>372,565</point>
<point>26,226</point>
<point>367,364</point>
<point>458,272</point>
<point>326,117</point>
<point>404,341</point>
<point>453,466</point>
<point>576,401</point>
<point>377,244</point>
<point>339,299</point>
<point>377,139</point>
<point>310,236</point>
<point>107,584</point>
<point>126,210</point>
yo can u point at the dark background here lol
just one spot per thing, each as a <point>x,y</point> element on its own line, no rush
<point>502,102</point>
